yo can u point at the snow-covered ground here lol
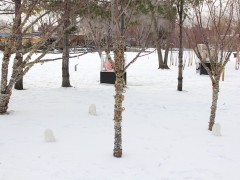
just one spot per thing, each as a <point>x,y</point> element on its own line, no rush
<point>165,134</point>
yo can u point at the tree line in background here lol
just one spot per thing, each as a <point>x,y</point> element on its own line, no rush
<point>210,28</point>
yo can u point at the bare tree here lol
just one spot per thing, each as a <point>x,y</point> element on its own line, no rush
<point>11,47</point>
<point>221,19</point>
<point>97,23</point>
<point>100,27</point>
<point>99,33</point>
<point>108,23</point>
<point>6,8</point>
<point>121,15</point>
<point>164,15</point>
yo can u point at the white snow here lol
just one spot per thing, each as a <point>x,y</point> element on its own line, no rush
<point>165,134</point>
<point>49,135</point>
<point>92,110</point>
<point>216,129</point>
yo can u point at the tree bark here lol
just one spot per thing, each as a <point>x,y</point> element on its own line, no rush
<point>4,101</point>
<point>5,93</point>
<point>14,42</point>
<point>180,55</point>
<point>215,92</point>
<point>19,83</point>
<point>65,60</point>
<point>119,97</point>
<point>160,57</point>
<point>158,42</point>
<point>5,63</point>
<point>166,55</point>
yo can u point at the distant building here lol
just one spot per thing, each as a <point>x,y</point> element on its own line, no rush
<point>32,38</point>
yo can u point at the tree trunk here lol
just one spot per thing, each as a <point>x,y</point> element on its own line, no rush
<point>65,60</point>
<point>215,91</point>
<point>13,42</point>
<point>5,63</point>
<point>5,93</point>
<point>119,89</point>
<point>166,56</point>
<point>19,83</point>
<point>158,43</point>
<point>4,100</point>
<point>180,55</point>
<point>160,57</point>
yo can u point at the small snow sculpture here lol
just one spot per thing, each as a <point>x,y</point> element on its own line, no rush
<point>216,129</point>
<point>92,110</point>
<point>49,136</point>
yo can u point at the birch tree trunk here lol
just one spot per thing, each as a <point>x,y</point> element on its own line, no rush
<point>5,93</point>
<point>13,46</point>
<point>65,60</point>
<point>13,43</point>
<point>4,101</point>
<point>215,92</point>
<point>119,90</point>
